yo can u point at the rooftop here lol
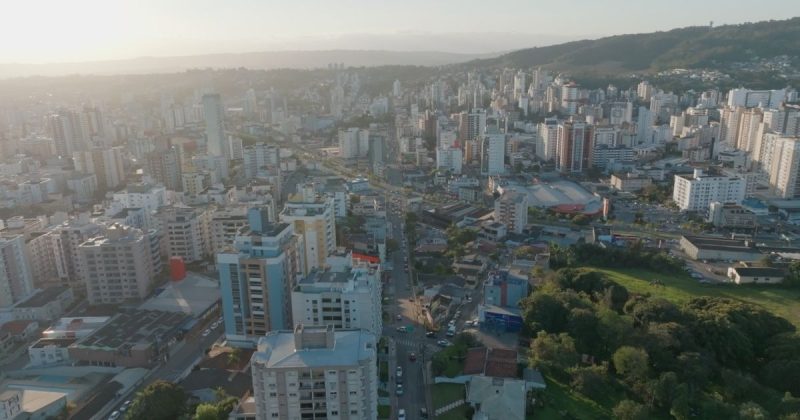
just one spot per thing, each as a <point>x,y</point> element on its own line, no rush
<point>499,363</point>
<point>43,297</point>
<point>279,349</point>
<point>135,328</point>
<point>192,296</point>
<point>760,271</point>
<point>721,244</point>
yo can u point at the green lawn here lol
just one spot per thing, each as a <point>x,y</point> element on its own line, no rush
<point>384,411</point>
<point>558,399</point>
<point>680,288</point>
<point>454,366</point>
<point>444,394</point>
<point>459,413</point>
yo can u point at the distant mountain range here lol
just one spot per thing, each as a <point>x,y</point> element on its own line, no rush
<point>691,47</point>
<point>255,60</point>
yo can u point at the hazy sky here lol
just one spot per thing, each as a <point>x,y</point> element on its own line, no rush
<point>80,30</point>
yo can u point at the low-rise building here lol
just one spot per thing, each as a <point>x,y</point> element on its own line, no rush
<point>502,288</point>
<point>711,248</point>
<point>731,216</point>
<point>629,182</point>
<point>50,351</point>
<point>756,275</point>
<point>44,305</point>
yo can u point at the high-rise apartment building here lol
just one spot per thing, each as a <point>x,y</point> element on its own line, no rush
<point>493,154</point>
<point>106,164</point>
<point>570,99</point>
<point>547,139</point>
<point>314,218</point>
<point>259,156</point>
<point>574,147</point>
<point>216,141</point>
<point>185,232</point>
<point>449,159</point>
<point>343,295</point>
<point>784,172</point>
<point>697,191</point>
<point>316,372</point>
<point>16,282</point>
<point>756,98</point>
<point>165,167</point>
<point>256,276</point>
<point>120,264</point>
<point>511,209</point>
<point>353,143</point>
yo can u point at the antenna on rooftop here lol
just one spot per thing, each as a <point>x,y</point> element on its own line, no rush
<point>711,24</point>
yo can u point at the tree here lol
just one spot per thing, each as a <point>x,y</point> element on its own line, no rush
<point>752,411</point>
<point>630,410</point>
<point>631,362</point>
<point>234,357</point>
<point>664,390</point>
<point>160,400</point>
<point>591,381</point>
<point>554,351</point>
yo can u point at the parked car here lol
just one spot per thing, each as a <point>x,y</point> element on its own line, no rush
<point>430,334</point>
<point>443,343</point>
<point>399,372</point>
<point>114,415</point>
<point>412,357</point>
<point>399,389</point>
<point>402,329</point>
<point>206,333</point>
<point>401,414</point>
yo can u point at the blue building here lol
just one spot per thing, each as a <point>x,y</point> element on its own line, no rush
<point>256,277</point>
<point>502,288</point>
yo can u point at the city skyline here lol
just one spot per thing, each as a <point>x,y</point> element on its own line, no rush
<point>90,30</point>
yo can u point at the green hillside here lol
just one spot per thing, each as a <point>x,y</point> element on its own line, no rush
<point>690,47</point>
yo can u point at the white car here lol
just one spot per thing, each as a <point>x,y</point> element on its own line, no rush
<point>114,415</point>
<point>399,372</point>
<point>206,333</point>
<point>401,414</point>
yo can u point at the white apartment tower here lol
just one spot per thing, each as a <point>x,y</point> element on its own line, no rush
<point>340,296</point>
<point>216,142</point>
<point>697,191</point>
<point>316,372</point>
<point>511,209</point>
<point>314,218</point>
<point>16,282</point>
<point>493,154</point>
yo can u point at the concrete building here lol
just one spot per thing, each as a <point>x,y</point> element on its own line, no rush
<point>224,225</point>
<point>120,264</point>
<point>756,275</point>
<point>258,156</point>
<point>316,372</point>
<point>630,182</point>
<point>314,218</point>
<point>752,98</point>
<point>257,276</point>
<point>784,181</point>
<point>547,139</point>
<point>574,147</point>
<point>146,196</point>
<point>343,297</point>
<point>353,143</point>
<point>106,164</point>
<point>216,141</point>
<point>493,154</point>
<point>185,232</point>
<point>711,248</point>
<point>16,283</point>
<point>449,159</point>
<point>502,288</point>
<point>138,338</point>
<point>511,209</point>
<point>83,187</point>
<point>165,166</point>
<point>731,216</point>
<point>65,239</point>
<point>44,305</point>
<point>697,191</point>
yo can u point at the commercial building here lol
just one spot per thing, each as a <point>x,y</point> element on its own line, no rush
<point>258,156</point>
<point>314,218</point>
<point>511,209</point>
<point>630,182</point>
<point>353,143</point>
<point>711,248</point>
<point>257,275</point>
<point>502,288</point>
<point>697,191</point>
<point>731,216</point>
<point>120,264</point>
<point>343,296</point>
<point>137,338</point>
<point>16,283</point>
<point>450,159</point>
<point>316,372</point>
<point>44,305</point>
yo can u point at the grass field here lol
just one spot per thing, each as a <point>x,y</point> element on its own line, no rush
<point>681,288</point>
<point>444,394</point>
<point>561,403</point>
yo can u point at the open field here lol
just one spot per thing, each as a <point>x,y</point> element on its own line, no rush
<point>680,288</point>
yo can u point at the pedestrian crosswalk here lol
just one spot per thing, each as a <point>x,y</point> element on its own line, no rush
<point>406,342</point>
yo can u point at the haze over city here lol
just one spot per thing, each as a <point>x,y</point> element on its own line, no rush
<point>399,210</point>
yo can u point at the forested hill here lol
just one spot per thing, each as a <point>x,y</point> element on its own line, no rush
<point>691,47</point>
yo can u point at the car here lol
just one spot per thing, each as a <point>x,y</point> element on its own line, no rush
<point>402,329</point>
<point>423,413</point>
<point>127,403</point>
<point>412,357</point>
<point>399,389</point>
<point>430,334</point>
<point>206,333</point>
<point>399,372</point>
<point>401,414</point>
<point>399,317</point>
<point>114,415</point>
<point>443,343</point>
